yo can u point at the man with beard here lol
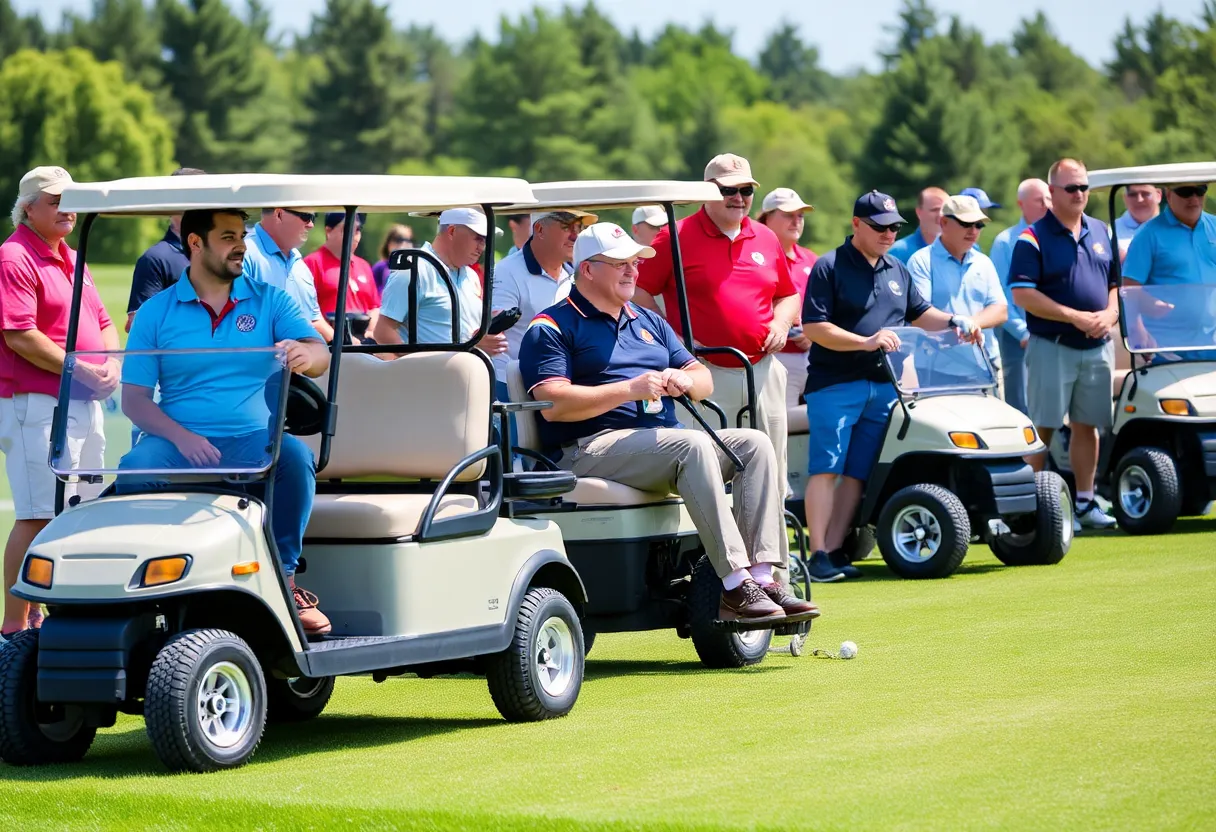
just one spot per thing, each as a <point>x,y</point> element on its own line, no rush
<point>214,413</point>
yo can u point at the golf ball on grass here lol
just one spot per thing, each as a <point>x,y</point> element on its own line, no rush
<point>848,650</point>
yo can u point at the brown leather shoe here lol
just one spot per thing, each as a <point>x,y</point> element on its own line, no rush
<point>312,619</point>
<point>780,595</point>
<point>746,603</point>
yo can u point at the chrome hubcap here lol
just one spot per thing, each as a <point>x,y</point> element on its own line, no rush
<point>916,533</point>
<point>554,656</point>
<point>225,704</point>
<point>1069,514</point>
<point>751,638</point>
<point>1135,492</point>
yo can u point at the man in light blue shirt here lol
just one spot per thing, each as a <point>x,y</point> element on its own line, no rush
<point>1179,245</point>
<point>955,278</point>
<point>1034,200</point>
<point>1143,204</point>
<point>272,256</point>
<point>928,218</point>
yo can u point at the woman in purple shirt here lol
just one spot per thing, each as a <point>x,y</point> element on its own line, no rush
<point>398,237</point>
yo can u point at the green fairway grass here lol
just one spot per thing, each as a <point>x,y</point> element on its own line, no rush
<point>1079,696</point>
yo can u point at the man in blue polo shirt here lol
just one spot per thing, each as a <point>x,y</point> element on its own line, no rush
<point>928,218</point>
<point>214,413</point>
<point>159,267</point>
<point>1178,245</point>
<point>611,370</point>
<point>1143,205</point>
<point>855,292</point>
<point>1063,275</point>
<point>272,256</point>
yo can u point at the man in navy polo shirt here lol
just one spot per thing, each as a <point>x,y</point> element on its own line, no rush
<point>1063,275</point>
<point>159,267</point>
<point>611,370</point>
<point>853,295</point>
<point>213,413</point>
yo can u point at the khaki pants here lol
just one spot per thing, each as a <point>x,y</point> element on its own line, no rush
<point>689,463</point>
<point>730,393</point>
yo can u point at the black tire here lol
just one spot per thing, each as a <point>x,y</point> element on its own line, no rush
<point>34,734</point>
<point>859,543</point>
<point>1042,538</point>
<point>1155,474</point>
<point>948,526</point>
<point>172,712</point>
<point>719,649</point>
<point>588,640</point>
<point>516,682</point>
<point>1195,505</point>
<point>298,699</point>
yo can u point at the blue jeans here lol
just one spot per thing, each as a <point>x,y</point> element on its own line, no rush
<point>1013,365</point>
<point>847,422</point>
<point>295,480</point>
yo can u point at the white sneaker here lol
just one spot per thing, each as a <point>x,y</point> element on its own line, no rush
<point>1093,517</point>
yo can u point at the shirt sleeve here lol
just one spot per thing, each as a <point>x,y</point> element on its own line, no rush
<point>920,268</point>
<point>18,296</point>
<point>394,302</point>
<point>289,320</point>
<point>146,281</point>
<point>819,303</point>
<point>655,272</point>
<point>544,354</point>
<point>1026,265</point>
<point>142,370</point>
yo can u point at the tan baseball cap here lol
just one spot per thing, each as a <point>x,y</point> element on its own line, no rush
<point>565,215</point>
<point>48,179</point>
<point>729,170</point>
<point>784,199</point>
<point>964,208</point>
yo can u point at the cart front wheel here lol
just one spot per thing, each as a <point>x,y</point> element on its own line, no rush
<point>1042,538</point>
<point>33,733</point>
<point>540,674</point>
<point>1148,494</point>
<point>923,532</point>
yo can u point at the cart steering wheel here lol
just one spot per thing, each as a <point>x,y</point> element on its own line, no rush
<point>307,407</point>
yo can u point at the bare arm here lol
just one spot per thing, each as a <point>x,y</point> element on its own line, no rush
<point>933,320</point>
<point>36,348</point>
<point>386,331</point>
<point>702,381</point>
<point>308,358</point>
<point>145,414</point>
<point>787,311</point>
<point>834,338</point>
<point>992,316</point>
<point>1041,306</point>
<point>577,402</point>
<point>323,329</point>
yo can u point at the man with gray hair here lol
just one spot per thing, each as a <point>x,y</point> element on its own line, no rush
<point>37,270</point>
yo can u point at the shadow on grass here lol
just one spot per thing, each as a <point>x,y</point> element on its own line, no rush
<point>611,668</point>
<point>875,569</point>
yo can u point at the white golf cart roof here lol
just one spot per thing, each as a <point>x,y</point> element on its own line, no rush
<point>622,194</point>
<point>158,195</point>
<point>1154,175</point>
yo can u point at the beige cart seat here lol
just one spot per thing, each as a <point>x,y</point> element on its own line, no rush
<point>412,418</point>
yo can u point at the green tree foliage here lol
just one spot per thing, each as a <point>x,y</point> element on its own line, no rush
<point>126,31</point>
<point>793,68</point>
<point>68,109</point>
<point>917,23</point>
<point>18,31</point>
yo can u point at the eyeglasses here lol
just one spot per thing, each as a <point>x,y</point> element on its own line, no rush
<point>746,190</point>
<point>304,216</point>
<point>1188,191</point>
<point>978,226</point>
<point>620,266</point>
<point>893,228</point>
<point>1072,189</point>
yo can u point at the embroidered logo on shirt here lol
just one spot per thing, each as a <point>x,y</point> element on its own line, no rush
<point>896,288</point>
<point>758,257</point>
<point>246,323</point>
<point>647,337</point>
<point>1099,248</point>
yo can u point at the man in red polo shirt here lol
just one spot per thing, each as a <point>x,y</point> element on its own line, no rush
<point>325,264</point>
<point>740,295</point>
<point>36,273</point>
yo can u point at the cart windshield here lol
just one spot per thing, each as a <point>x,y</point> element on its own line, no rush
<point>937,362</point>
<point>151,415</point>
<point>1175,322</point>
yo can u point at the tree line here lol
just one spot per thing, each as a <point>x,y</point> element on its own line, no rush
<point>137,88</point>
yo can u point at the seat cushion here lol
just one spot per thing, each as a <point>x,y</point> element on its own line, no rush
<point>593,491</point>
<point>377,516</point>
<point>797,421</point>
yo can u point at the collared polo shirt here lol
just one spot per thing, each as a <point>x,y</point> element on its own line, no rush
<point>1074,272</point>
<point>905,247</point>
<point>575,341</point>
<point>361,292</point>
<point>36,293</point>
<point>265,261</point>
<point>520,281</point>
<point>1127,228</point>
<point>800,272</point>
<point>732,284</point>
<point>157,269</point>
<point>434,302</point>
<point>847,291</point>
<point>960,287</point>
<point>1167,252</point>
<point>206,394</point>
<point>1002,256</point>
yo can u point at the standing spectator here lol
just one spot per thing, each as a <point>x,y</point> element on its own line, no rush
<point>398,237</point>
<point>521,230</point>
<point>1178,245</point>
<point>272,256</point>
<point>160,266</point>
<point>1034,200</point>
<point>325,265</point>
<point>784,212</point>
<point>739,295</point>
<point>928,216</point>
<point>1143,202</point>
<point>1063,275</point>
<point>956,278</point>
<point>647,220</point>
<point>37,269</point>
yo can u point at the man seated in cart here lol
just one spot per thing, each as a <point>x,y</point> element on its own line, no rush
<point>212,413</point>
<point>612,371</point>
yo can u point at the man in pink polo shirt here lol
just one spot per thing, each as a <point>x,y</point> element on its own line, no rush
<point>740,295</point>
<point>36,273</point>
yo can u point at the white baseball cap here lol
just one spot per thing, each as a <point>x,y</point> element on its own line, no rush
<point>48,179</point>
<point>784,199</point>
<point>471,218</point>
<point>651,215</point>
<point>610,240</point>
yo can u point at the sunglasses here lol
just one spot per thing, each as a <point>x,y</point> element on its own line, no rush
<point>304,216</point>
<point>893,228</point>
<point>1188,191</point>
<point>401,239</point>
<point>746,190</point>
<point>978,226</point>
<point>1072,189</point>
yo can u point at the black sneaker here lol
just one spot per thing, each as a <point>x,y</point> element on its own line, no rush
<point>841,561</point>
<point>821,570</point>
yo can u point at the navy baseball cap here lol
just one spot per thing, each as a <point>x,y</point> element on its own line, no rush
<point>980,197</point>
<point>335,218</point>
<point>878,208</point>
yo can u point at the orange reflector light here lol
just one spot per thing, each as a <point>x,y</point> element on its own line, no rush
<point>1129,408</point>
<point>247,567</point>
<point>1176,407</point>
<point>966,440</point>
<point>1028,433</point>
<point>165,570</point>
<point>39,571</point>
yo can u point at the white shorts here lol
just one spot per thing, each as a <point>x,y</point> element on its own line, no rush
<point>25,439</point>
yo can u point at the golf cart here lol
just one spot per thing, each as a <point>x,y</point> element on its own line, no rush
<point>171,602</point>
<point>951,469</point>
<point>1158,460</point>
<point>638,553</point>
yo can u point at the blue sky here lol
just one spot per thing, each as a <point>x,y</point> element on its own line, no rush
<point>848,34</point>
